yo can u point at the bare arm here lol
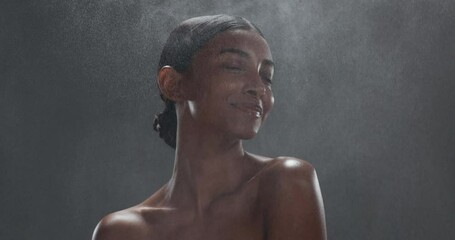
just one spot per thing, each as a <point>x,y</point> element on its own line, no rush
<point>295,207</point>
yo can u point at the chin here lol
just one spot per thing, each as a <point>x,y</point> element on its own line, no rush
<point>248,134</point>
<point>248,137</point>
<point>244,131</point>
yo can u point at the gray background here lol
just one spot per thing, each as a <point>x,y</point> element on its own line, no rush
<point>364,91</point>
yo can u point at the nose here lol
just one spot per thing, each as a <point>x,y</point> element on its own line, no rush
<point>255,87</point>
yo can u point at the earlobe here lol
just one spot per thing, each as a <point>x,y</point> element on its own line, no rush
<point>169,82</point>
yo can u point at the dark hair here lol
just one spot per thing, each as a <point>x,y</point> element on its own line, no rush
<point>184,41</point>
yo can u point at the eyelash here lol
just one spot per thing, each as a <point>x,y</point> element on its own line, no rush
<point>229,67</point>
<point>268,80</point>
<point>237,68</point>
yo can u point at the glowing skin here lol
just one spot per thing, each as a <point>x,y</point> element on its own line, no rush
<point>219,191</point>
<point>231,76</point>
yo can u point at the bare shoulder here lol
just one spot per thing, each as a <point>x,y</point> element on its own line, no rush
<point>134,223</point>
<point>280,174</point>
<point>125,224</point>
<point>291,177</point>
<point>283,169</point>
<point>293,201</point>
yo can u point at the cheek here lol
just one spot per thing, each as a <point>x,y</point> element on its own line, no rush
<point>268,102</point>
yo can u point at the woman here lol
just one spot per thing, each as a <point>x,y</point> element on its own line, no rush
<point>215,76</point>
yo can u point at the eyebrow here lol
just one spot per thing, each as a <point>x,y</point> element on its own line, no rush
<point>244,55</point>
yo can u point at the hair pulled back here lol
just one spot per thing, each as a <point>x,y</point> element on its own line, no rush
<point>184,41</point>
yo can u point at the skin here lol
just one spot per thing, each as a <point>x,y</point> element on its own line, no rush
<point>218,190</point>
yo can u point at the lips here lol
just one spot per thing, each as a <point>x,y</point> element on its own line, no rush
<point>253,109</point>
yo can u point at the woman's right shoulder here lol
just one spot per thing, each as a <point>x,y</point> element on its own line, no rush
<point>135,223</point>
<point>125,224</point>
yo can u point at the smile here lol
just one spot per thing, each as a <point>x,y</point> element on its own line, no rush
<point>250,108</point>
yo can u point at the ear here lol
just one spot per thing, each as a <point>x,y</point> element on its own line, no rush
<point>170,83</point>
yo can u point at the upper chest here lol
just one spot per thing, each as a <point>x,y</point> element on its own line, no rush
<point>236,215</point>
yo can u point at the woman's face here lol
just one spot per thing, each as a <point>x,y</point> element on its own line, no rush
<point>230,78</point>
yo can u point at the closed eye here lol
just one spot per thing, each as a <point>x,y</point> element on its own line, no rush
<point>233,67</point>
<point>267,74</point>
<point>268,80</point>
<point>266,77</point>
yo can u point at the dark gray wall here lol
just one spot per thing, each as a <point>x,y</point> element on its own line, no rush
<point>364,91</point>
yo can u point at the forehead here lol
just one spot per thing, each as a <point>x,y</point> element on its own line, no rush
<point>248,41</point>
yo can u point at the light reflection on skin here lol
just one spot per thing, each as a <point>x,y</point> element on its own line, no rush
<point>292,163</point>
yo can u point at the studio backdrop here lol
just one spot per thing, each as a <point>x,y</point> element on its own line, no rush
<point>364,90</point>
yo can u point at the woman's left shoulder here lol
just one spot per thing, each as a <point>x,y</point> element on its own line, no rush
<point>288,169</point>
<point>292,200</point>
<point>281,173</point>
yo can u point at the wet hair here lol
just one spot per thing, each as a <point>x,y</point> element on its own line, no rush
<point>184,41</point>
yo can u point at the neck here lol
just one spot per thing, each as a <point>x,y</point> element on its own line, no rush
<point>207,165</point>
